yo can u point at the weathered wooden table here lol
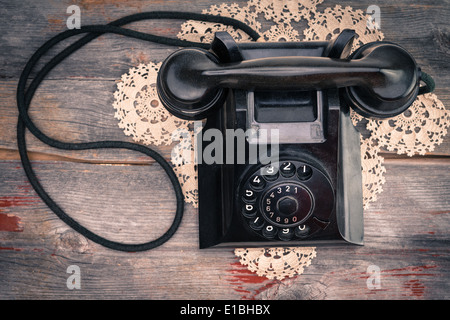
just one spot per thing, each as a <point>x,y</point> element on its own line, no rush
<point>125,196</point>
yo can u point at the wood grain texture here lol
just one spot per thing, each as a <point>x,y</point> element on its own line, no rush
<point>406,235</point>
<point>126,196</point>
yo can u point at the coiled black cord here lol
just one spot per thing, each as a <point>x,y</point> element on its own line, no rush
<point>25,95</point>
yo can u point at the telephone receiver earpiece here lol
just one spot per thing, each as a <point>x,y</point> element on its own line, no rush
<point>380,79</point>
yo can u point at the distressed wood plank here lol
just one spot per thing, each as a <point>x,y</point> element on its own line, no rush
<point>425,35</point>
<point>406,233</point>
<point>81,111</point>
<point>70,111</point>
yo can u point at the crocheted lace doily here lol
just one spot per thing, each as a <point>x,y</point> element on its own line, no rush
<point>142,116</point>
<point>416,131</point>
<point>276,263</point>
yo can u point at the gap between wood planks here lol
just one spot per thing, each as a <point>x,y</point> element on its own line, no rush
<point>10,154</point>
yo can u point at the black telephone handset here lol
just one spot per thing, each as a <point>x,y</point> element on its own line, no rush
<point>312,193</point>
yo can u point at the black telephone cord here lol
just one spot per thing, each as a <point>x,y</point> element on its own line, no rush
<point>25,95</point>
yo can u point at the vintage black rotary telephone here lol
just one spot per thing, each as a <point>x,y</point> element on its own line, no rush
<point>313,192</point>
<point>302,89</point>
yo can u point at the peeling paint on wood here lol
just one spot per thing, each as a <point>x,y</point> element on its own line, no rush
<point>10,223</point>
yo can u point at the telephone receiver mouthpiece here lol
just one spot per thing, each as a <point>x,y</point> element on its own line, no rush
<point>380,79</point>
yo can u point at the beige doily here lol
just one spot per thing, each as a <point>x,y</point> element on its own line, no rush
<point>328,24</point>
<point>182,157</point>
<point>276,263</point>
<point>142,116</point>
<point>199,31</point>
<point>281,11</point>
<point>416,131</point>
<point>373,169</point>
